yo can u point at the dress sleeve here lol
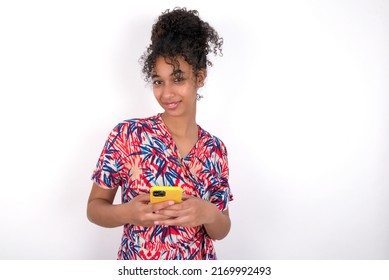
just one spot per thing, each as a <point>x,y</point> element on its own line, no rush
<point>221,193</point>
<point>110,163</point>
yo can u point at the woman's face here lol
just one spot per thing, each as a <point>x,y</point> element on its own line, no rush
<point>175,89</point>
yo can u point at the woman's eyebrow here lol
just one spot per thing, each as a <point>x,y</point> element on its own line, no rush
<point>177,72</point>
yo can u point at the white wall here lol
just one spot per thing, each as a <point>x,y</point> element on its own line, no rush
<point>300,98</point>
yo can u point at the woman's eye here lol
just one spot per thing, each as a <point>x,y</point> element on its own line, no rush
<point>178,80</point>
<point>156,83</point>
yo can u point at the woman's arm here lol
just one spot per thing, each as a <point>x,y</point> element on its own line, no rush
<point>137,211</point>
<point>220,227</point>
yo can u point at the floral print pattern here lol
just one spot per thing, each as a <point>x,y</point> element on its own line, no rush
<point>139,154</point>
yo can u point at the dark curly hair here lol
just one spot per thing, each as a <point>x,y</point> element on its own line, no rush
<point>181,33</point>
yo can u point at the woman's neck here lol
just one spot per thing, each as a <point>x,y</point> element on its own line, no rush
<point>180,126</point>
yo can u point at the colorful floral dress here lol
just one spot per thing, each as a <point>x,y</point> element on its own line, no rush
<point>139,154</point>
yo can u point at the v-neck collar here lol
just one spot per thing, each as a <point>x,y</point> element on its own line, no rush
<point>169,137</point>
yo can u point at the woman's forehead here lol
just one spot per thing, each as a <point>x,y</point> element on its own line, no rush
<point>171,65</point>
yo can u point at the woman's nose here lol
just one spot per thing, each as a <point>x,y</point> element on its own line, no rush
<point>167,91</point>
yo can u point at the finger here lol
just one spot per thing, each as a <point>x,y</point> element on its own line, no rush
<point>170,213</point>
<point>180,221</point>
<point>143,198</point>
<point>155,207</point>
<point>158,217</point>
<point>175,211</point>
<point>168,222</point>
<point>186,196</point>
<point>175,206</point>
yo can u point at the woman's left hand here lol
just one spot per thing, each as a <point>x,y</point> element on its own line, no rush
<point>191,212</point>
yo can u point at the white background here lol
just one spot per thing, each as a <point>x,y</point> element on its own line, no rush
<point>300,98</point>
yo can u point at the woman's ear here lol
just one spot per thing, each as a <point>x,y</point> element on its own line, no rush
<point>201,75</point>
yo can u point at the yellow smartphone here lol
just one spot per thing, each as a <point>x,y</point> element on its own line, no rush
<point>164,193</point>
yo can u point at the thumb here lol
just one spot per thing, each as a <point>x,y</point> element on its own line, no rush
<point>145,198</point>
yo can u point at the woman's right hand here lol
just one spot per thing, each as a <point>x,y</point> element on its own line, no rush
<point>139,211</point>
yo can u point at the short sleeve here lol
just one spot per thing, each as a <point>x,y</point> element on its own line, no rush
<point>110,163</point>
<point>221,193</point>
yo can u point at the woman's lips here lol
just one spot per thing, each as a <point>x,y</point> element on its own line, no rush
<point>172,105</point>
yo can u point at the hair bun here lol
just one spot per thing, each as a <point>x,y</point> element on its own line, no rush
<point>181,32</point>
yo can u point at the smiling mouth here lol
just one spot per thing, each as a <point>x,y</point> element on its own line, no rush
<point>172,105</point>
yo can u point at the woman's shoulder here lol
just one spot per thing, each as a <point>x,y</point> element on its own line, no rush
<point>133,124</point>
<point>211,140</point>
<point>141,121</point>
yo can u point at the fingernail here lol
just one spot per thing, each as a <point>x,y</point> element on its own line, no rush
<point>171,202</point>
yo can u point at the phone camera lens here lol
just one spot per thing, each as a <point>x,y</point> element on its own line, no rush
<point>159,193</point>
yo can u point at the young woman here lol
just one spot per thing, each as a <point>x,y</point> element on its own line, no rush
<point>168,149</point>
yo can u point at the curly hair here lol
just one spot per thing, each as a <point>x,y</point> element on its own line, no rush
<point>181,33</point>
